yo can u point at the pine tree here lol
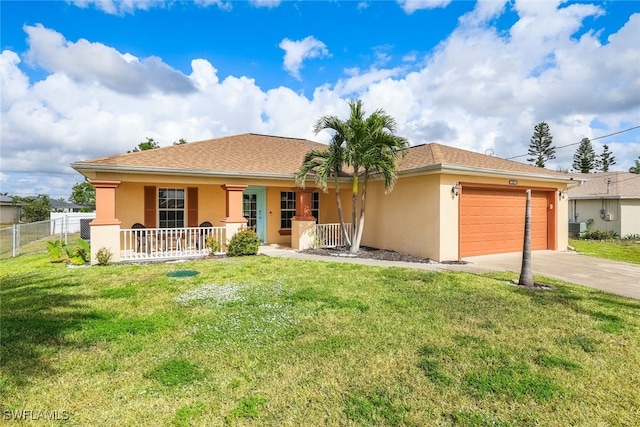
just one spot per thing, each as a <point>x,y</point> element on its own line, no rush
<point>606,159</point>
<point>584,160</point>
<point>636,167</point>
<point>149,144</point>
<point>540,146</point>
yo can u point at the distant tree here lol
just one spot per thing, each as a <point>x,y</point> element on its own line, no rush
<point>606,159</point>
<point>540,145</point>
<point>636,168</point>
<point>84,194</point>
<point>149,144</point>
<point>34,208</point>
<point>180,141</point>
<point>584,160</point>
<point>561,169</point>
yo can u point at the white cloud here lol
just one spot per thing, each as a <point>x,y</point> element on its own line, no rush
<point>411,6</point>
<point>265,3</point>
<point>480,90</point>
<point>119,7</point>
<point>298,51</point>
<point>95,63</point>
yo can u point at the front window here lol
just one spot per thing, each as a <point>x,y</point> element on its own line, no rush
<point>287,209</point>
<point>315,206</point>
<point>171,207</point>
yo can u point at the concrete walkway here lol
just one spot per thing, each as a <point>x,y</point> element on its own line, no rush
<point>609,276</point>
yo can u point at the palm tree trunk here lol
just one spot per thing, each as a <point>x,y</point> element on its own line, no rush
<point>356,245</point>
<point>526,273</point>
<point>347,239</point>
<point>354,206</point>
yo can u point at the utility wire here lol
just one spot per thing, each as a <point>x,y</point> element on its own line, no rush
<point>576,143</point>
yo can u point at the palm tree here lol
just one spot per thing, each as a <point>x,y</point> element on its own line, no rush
<point>526,273</point>
<point>326,164</point>
<point>378,156</point>
<point>370,148</point>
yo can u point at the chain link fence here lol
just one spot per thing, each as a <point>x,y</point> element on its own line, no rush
<point>32,237</point>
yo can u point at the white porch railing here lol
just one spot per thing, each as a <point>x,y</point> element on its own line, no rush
<point>165,243</point>
<point>330,235</point>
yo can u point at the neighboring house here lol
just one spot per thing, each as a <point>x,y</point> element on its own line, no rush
<point>65,207</point>
<point>447,204</point>
<point>9,211</point>
<point>610,199</point>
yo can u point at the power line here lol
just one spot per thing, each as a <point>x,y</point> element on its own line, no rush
<point>576,143</point>
<point>627,179</point>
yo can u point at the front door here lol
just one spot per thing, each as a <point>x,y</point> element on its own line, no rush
<point>253,207</point>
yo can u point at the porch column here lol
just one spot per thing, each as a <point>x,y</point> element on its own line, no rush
<point>303,225</point>
<point>234,220</point>
<point>105,228</point>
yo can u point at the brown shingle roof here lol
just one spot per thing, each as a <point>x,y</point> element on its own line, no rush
<point>423,156</point>
<point>248,153</point>
<point>621,184</point>
<point>255,154</point>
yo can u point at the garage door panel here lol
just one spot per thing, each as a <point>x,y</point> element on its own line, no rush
<point>492,221</point>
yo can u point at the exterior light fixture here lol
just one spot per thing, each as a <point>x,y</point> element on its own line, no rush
<point>562,194</point>
<point>455,190</point>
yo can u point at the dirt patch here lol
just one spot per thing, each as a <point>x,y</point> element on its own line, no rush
<point>373,253</point>
<point>536,286</point>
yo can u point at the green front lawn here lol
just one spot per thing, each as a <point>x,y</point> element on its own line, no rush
<point>270,341</point>
<point>616,250</point>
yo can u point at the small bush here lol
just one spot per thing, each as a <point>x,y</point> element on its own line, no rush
<point>104,256</point>
<point>78,254</point>
<point>599,235</point>
<point>244,242</point>
<point>213,244</point>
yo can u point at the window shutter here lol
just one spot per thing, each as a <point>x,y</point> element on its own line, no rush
<point>150,207</point>
<point>192,207</point>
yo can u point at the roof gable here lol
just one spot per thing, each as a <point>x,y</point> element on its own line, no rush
<point>437,155</point>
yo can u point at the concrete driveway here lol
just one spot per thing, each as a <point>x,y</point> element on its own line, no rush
<point>610,276</point>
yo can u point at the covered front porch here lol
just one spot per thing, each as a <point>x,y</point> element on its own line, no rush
<point>144,222</point>
<point>168,243</point>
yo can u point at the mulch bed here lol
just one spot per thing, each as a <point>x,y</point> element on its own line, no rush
<point>374,253</point>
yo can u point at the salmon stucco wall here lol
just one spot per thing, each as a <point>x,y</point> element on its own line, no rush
<point>130,202</point>
<point>406,219</point>
<point>420,216</point>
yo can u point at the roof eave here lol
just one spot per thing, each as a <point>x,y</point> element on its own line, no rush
<point>484,172</point>
<point>80,167</point>
<point>603,196</point>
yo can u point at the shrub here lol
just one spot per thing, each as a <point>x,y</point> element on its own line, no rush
<point>214,244</point>
<point>244,242</point>
<point>599,235</point>
<point>78,254</point>
<point>104,256</point>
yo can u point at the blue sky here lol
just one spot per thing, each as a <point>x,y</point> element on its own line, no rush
<point>83,79</point>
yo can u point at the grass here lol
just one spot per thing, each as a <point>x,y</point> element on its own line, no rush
<point>625,251</point>
<point>270,341</point>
